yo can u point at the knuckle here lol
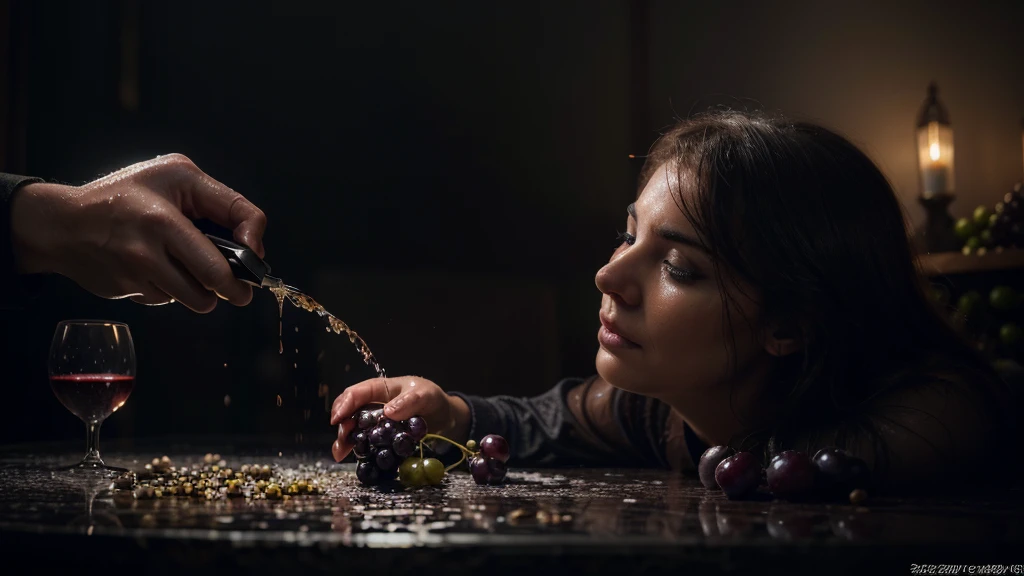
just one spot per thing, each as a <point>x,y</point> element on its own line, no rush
<point>178,161</point>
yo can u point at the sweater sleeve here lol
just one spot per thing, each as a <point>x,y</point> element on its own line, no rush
<point>579,422</point>
<point>13,288</point>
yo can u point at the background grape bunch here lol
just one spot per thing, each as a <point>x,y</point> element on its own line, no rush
<point>987,307</point>
<point>1001,226</point>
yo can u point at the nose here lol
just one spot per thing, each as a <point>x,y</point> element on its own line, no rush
<point>619,280</point>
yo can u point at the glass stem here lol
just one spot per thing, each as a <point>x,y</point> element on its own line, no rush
<point>92,444</point>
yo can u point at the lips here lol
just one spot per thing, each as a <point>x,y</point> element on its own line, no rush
<point>613,329</point>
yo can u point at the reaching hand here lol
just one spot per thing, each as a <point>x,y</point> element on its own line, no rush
<point>403,397</point>
<point>128,234</point>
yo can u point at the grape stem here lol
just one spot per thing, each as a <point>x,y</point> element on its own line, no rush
<point>465,451</point>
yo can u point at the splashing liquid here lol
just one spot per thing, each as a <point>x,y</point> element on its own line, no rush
<point>334,324</point>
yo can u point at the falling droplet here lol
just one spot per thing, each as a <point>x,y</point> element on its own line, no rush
<point>278,400</point>
<point>347,367</point>
<point>225,364</point>
<point>227,400</point>
<point>295,365</point>
<point>296,350</point>
<point>296,328</point>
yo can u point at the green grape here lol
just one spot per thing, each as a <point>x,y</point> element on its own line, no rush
<point>1003,298</point>
<point>1010,335</point>
<point>964,228</point>
<point>973,243</point>
<point>970,304</point>
<point>981,215</point>
<point>433,471</point>
<point>411,473</point>
<point>986,237</point>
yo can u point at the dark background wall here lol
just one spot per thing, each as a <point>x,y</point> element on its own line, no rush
<point>445,178</point>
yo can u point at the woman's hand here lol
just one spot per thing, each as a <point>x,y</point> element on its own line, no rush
<point>128,234</point>
<point>403,397</point>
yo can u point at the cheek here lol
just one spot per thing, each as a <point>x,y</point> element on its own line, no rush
<point>692,346</point>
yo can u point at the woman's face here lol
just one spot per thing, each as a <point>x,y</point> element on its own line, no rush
<point>663,332</point>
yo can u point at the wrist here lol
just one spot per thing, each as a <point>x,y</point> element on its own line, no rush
<point>461,419</point>
<point>36,227</point>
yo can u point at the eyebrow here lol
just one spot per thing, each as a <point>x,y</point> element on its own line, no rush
<point>669,234</point>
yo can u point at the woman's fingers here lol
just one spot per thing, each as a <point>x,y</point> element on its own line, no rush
<point>407,405</point>
<point>342,446</point>
<point>361,394</point>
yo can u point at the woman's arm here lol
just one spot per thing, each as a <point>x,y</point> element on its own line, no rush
<point>584,422</point>
<point>578,422</point>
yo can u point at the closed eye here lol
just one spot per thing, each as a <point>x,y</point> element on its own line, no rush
<point>681,274</point>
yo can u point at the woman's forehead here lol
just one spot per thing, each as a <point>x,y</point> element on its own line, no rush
<point>660,198</point>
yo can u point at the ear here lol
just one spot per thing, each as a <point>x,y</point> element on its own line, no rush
<point>782,341</point>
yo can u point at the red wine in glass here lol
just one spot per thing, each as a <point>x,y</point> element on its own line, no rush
<point>92,373</point>
<point>92,397</point>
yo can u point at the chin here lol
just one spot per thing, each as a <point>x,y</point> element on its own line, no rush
<point>617,373</point>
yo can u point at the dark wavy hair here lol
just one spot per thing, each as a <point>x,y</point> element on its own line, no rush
<point>805,218</point>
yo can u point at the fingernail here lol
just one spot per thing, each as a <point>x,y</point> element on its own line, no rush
<point>393,406</point>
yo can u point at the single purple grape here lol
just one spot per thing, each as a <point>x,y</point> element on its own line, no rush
<point>403,444</point>
<point>361,444</point>
<point>479,469</point>
<point>367,473</point>
<point>388,429</point>
<point>791,475</point>
<point>366,420</point>
<point>417,427</point>
<point>386,459</point>
<point>738,475</point>
<point>832,465</point>
<point>709,461</point>
<point>496,469</point>
<point>378,438</point>
<point>494,446</point>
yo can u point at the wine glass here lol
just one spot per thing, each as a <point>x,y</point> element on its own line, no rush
<point>92,372</point>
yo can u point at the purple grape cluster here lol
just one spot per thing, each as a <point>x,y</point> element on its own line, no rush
<point>488,466</point>
<point>791,475</point>
<point>380,444</point>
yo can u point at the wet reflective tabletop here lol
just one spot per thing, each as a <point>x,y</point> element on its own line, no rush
<point>633,520</point>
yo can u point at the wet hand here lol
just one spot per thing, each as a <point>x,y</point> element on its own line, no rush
<point>129,234</point>
<point>403,397</point>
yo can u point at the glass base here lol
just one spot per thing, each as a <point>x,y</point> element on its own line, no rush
<point>91,465</point>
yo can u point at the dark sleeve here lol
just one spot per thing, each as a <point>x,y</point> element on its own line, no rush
<point>614,428</point>
<point>12,287</point>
